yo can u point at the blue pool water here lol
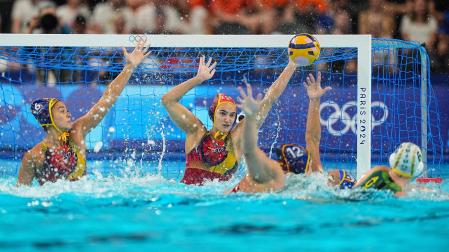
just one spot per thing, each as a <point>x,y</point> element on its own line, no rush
<point>109,210</point>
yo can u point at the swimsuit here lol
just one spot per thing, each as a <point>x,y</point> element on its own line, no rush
<point>380,180</point>
<point>212,159</point>
<point>62,162</point>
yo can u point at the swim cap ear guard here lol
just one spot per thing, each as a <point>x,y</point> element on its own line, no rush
<point>347,181</point>
<point>406,160</point>
<point>293,158</point>
<point>240,117</point>
<point>41,109</point>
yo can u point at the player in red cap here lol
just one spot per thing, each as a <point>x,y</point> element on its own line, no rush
<point>214,154</point>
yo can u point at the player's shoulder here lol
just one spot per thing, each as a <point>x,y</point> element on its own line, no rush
<point>38,151</point>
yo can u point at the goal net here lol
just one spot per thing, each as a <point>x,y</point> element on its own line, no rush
<point>382,94</point>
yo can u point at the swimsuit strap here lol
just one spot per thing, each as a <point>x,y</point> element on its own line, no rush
<point>80,168</point>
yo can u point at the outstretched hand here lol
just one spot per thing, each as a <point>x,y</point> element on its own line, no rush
<point>138,54</point>
<point>313,87</point>
<point>206,70</point>
<point>247,103</point>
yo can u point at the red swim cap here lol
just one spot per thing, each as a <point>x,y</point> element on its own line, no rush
<point>218,100</point>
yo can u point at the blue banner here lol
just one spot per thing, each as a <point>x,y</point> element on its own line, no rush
<point>138,120</point>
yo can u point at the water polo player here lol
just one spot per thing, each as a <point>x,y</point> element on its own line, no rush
<point>405,164</point>
<point>61,154</point>
<point>265,174</point>
<point>214,154</point>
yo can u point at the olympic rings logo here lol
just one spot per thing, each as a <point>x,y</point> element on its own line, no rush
<point>348,122</point>
<point>136,38</point>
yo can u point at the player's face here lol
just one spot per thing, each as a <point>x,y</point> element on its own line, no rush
<point>61,117</point>
<point>225,117</point>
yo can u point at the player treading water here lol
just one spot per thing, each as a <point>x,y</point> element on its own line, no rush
<point>61,155</point>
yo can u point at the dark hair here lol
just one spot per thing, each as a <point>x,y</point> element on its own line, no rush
<point>80,20</point>
<point>48,22</point>
<point>414,15</point>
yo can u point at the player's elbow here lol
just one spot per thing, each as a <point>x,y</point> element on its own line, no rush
<point>166,100</point>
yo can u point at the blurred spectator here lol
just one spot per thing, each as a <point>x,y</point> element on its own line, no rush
<point>262,16</point>
<point>106,14</point>
<point>46,21</point>
<point>376,20</point>
<point>79,25</point>
<point>195,17</point>
<point>22,13</point>
<point>184,17</point>
<point>145,16</point>
<point>68,12</point>
<point>230,17</point>
<point>284,15</point>
<point>119,25</point>
<point>440,58</point>
<point>342,23</point>
<point>160,22</point>
<point>419,25</point>
<point>302,16</point>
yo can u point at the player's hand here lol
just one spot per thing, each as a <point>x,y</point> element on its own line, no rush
<point>138,54</point>
<point>247,103</point>
<point>205,70</point>
<point>313,87</point>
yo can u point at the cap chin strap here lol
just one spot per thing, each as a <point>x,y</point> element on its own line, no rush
<point>63,135</point>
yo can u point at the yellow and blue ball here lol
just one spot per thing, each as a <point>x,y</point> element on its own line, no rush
<point>304,49</point>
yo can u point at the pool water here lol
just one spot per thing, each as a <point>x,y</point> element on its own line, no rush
<point>106,211</point>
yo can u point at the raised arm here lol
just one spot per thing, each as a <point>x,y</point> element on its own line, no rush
<point>275,90</point>
<point>180,114</point>
<point>261,169</point>
<point>313,126</point>
<point>92,118</point>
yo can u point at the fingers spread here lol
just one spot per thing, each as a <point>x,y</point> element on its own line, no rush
<point>209,61</point>
<point>242,92</point>
<point>139,46</point>
<point>213,65</point>
<point>146,49</point>
<point>309,82</point>
<point>312,78</point>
